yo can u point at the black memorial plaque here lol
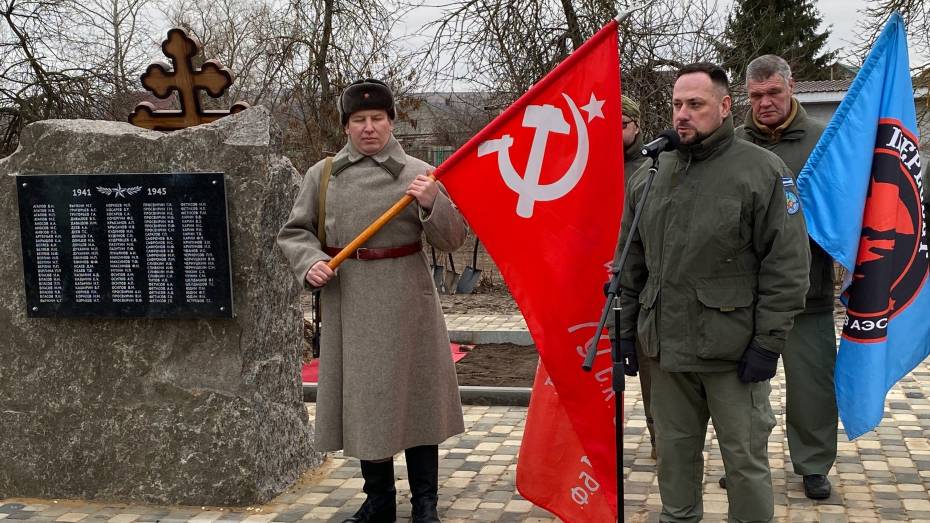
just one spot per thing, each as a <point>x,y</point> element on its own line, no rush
<point>125,245</point>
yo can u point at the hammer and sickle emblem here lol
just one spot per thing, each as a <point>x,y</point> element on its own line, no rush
<point>545,119</point>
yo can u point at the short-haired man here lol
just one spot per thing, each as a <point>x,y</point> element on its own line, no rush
<point>779,123</point>
<point>717,270</point>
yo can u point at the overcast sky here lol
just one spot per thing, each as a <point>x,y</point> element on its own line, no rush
<point>842,14</point>
<point>839,15</point>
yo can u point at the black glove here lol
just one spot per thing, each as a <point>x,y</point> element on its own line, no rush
<point>608,282</point>
<point>757,364</point>
<point>627,350</point>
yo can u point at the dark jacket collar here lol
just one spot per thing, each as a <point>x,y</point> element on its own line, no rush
<point>705,148</point>
<point>391,158</point>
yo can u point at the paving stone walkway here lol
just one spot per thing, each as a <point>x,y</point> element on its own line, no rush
<point>488,328</point>
<point>882,476</point>
<point>476,473</point>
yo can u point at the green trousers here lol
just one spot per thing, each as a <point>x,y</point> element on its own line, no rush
<point>645,382</point>
<point>682,403</point>
<point>810,411</point>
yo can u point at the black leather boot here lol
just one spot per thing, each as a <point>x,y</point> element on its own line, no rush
<point>381,504</point>
<point>423,472</point>
<point>816,486</point>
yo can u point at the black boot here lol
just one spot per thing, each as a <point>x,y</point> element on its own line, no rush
<point>816,486</point>
<point>381,504</point>
<point>423,472</point>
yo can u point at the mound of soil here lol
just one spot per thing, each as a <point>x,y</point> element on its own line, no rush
<point>498,365</point>
<point>494,300</point>
<point>489,365</point>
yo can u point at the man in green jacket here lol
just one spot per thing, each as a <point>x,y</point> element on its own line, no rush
<point>632,137</point>
<point>717,270</point>
<point>633,159</point>
<point>779,123</point>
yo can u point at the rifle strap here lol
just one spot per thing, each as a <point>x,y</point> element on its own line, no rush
<point>321,235</point>
<point>324,184</point>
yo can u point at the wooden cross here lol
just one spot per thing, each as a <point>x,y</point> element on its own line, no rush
<point>187,81</point>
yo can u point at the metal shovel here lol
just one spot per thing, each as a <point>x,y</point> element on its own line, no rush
<point>438,273</point>
<point>451,277</point>
<point>471,275</point>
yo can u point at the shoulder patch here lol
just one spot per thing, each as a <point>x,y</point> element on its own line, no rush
<point>793,202</point>
<point>787,181</point>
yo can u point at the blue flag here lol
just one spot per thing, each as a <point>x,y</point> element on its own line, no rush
<point>862,196</point>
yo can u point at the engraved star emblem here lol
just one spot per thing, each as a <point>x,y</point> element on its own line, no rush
<point>119,191</point>
<point>594,108</point>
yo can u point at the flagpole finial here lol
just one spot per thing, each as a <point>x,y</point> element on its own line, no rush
<point>623,15</point>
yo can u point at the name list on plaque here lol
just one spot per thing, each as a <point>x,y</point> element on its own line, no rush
<point>125,245</point>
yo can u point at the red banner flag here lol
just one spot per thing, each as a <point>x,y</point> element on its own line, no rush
<point>553,470</point>
<point>542,187</point>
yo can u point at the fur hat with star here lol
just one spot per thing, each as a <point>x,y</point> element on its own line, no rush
<point>365,94</point>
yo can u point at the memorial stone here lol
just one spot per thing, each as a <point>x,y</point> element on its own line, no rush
<point>179,410</point>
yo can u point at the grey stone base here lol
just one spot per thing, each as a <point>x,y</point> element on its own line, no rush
<point>175,411</point>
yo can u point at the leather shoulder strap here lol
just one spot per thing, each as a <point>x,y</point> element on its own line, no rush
<point>324,183</point>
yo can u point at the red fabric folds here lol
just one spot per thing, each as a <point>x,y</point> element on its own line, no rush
<point>542,187</point>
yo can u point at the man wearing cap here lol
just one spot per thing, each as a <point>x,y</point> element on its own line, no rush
<point>633,159</point>
<point>632,138</point>
<point>779,123</point>
<point>387,382</point>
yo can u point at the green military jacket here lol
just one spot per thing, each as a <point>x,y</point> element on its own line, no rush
<point>633,159</point>
<point>793,145</point>
<point>719,258</point>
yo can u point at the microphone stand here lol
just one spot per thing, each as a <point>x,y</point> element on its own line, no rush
<point>618,383</point>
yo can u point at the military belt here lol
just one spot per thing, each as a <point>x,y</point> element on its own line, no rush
<point>366,253</point>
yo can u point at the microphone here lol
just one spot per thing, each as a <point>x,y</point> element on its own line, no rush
<point>668,140</point>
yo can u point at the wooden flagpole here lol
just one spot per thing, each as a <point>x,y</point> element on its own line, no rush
<point>370,231</point>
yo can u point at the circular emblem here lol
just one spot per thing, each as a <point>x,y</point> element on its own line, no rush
<point>892,263</point>
<point>794,204</point>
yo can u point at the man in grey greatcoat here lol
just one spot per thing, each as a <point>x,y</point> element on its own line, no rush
<point>387,382</point>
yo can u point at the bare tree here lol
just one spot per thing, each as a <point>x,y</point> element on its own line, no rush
<point>443,121</point>
<point>115,39</point>
<point>40,76</point>
<point>295,58</point>
<point>504,46</point>
<point>234,32</point>
<point>916,14</point>
<point>658,40</point>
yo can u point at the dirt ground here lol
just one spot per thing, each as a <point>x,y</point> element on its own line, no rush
<point>491,365</point>
<point>487,300</point>
<point>501,365</point>
<point>498,365</point>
